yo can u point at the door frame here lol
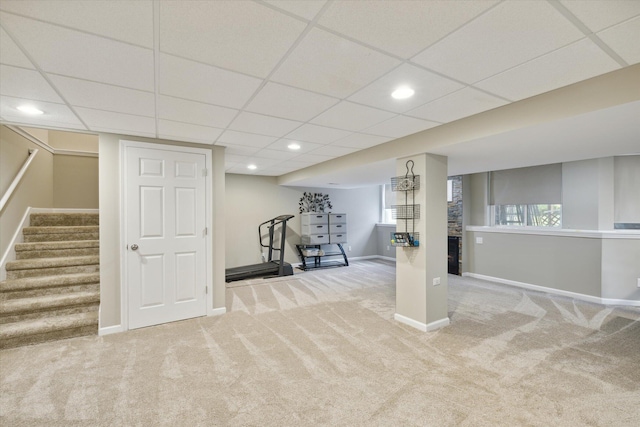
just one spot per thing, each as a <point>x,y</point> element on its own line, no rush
<point>124,292</point>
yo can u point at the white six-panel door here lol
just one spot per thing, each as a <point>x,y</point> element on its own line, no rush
<point>165,235</point>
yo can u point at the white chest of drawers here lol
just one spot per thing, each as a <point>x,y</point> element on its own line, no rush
<point>323,228</point>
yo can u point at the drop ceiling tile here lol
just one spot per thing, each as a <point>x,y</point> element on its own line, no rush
<point>55,115</point>
<point>318,134</point>
<point>179,131</point>
<point>328,64</point>
<point>333,151</point>
<point>28,84</point>
<point>10,53</point>
<point>311,158</point>
<point>263,125</point>
<point>275,154</point>
<point>507,35</point>
<point>404,30</point>
<point>263,163</point>
<point>290,103</point>
<point>236,35</point>
<point>619,39</point>
<point>236,159</point>
<point>231,137</point>
<point>600,14</point>
<point>283,145</point>
<point>240,150</point>
<point>106,121</point>
<point>576,62</point>
<point>400,126</point>
<point>349,116</point>
<point>463,103</point>
<point>191,80</point>
<point>181,110</point>
<point>307,9</point>
<point>428,86</point>
<point>295,164</point>
<point>242,170</point>
<point>92,57</point>
<point>83,93</point>
<point>361,141</point>
<point>130,21</point>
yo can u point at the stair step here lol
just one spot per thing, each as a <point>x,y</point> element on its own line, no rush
<point>48,219</point>
<point>46,282</point>
<point>57,253</point>
<point>54,234</point>
<point>51,246</point>
<point>28,264</point>
<point>41,303</point>
<point>52,266</point>
<point>48,329</point>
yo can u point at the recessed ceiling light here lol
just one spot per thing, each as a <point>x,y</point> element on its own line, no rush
<point>29,109</point>
<point>403,92</point>
<point>293,146</point>
<point>252,167</point>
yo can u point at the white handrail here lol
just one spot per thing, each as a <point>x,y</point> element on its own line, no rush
<point>18,178</point>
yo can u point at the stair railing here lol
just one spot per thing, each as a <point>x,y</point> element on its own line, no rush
<point>18,178</point>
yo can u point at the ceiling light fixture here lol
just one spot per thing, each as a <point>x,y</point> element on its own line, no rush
<point>252,167</point>
<point>403,92</point>
<point>30,109</point>
<point>293,146</point>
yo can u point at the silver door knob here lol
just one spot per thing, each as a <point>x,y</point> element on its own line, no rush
<point>134,247</point>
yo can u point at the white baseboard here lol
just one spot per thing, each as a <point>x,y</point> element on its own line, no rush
<point>582,297</point>
<point>408,321</point>
<point>438,324</point>
<point>108,330</point>
<point>217,311</point>
<point>10,253</point>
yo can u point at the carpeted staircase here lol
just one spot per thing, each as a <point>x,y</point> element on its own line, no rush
<point>52,289</point>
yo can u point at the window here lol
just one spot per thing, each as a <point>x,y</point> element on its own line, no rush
<point>388,199</point>
<point>539,215</point>
<point>527,197</point>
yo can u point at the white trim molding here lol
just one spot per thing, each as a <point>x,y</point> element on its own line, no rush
<point>108,330</point>
<point>575,295</point>
<point>217,311</point>
<point>433,326</point>
<point>589,234</point>
<point>410,322</point>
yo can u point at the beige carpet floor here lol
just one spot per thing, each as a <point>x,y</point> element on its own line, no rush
<point>322,348</point>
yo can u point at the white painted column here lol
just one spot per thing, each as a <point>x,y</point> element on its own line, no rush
<point>420,303</point>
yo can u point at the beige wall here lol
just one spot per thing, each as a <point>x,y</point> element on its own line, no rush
<point>75,182</point>
<point>558,262</point>
<point>110,223</point>
<point>73,141</point>
<point>417,298</point>
<point>251,200</point>
<point>597,266</point>
<point>35,189</point>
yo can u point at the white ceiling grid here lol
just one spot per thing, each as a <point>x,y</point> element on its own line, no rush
<point>256,76</point>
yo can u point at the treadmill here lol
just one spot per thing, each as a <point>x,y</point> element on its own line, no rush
<point>272,267</point>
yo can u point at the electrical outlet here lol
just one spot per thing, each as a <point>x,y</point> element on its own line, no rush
<point>639,282</point>
<point>388,248</point>
<point>436,281</point>
<point>349,248</point>
<point>264,257</point>
<point>479,240</point>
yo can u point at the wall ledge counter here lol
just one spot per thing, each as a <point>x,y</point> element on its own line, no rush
<point>589,234</point>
